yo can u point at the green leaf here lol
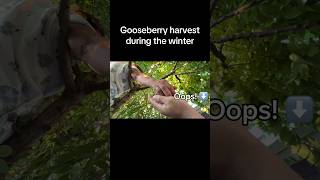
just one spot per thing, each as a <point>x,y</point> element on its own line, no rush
<point>5,151</point>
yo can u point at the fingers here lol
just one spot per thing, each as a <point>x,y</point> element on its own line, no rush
<point>161,99</point>
<point>164,88</point>
<point>161,103</point>
<point>166,91</point>
<point>172,90</point>
<point>160,93</point>
<point>156,102</point>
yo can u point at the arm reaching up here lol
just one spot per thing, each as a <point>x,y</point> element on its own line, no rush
<point>174,108</point>
<point>236,154</point>
<point>160,87</point>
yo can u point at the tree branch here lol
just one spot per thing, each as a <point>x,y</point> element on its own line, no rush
<point>218,54</point>
<point>238,64</point>
<point>65,64</point>
<point>236,12</point>
<point>171,72</point>
<point>186,73</point>
<point>268,32</point>
<point>177,77</point>
<point>35,129</point>
<point>175,66</point>
<point>121,100</point>
<point>22,138</point>
<point>213,4</point>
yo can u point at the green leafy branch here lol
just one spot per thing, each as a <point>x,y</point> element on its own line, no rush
<point>248,35</point>
<point>268,32</point>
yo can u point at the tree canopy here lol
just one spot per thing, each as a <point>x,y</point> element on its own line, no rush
<point>269,49</point>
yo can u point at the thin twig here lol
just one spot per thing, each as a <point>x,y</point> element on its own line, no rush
<point>268,32</point>
<point>187,73</point>
<point>177,77</point>
<point>175,68</point>
<point>236,12</point>
<point>239,64</point>
<point>218,54</point>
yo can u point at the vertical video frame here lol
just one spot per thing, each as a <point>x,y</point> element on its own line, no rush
<point>133,85</point>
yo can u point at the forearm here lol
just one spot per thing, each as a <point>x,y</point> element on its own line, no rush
<point>191,114</point>
<point>238,155</point>
<point>143,79</point>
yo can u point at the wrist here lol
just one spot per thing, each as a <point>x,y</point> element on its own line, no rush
<point>193,115</point>
<point>190,113</point>
<point>153,83</point>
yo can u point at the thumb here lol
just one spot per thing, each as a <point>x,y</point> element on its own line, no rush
<point>161,99</point>
<point>155,103</point>
<point>158,102</point>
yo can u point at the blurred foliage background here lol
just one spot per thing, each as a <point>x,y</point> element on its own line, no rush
<point>277,66</point>
<point>99,9</point>
<point>78,146</point>
<point>192,78</point>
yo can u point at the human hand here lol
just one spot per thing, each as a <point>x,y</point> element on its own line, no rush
<point>163,88</point>
<point>175,108</point>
